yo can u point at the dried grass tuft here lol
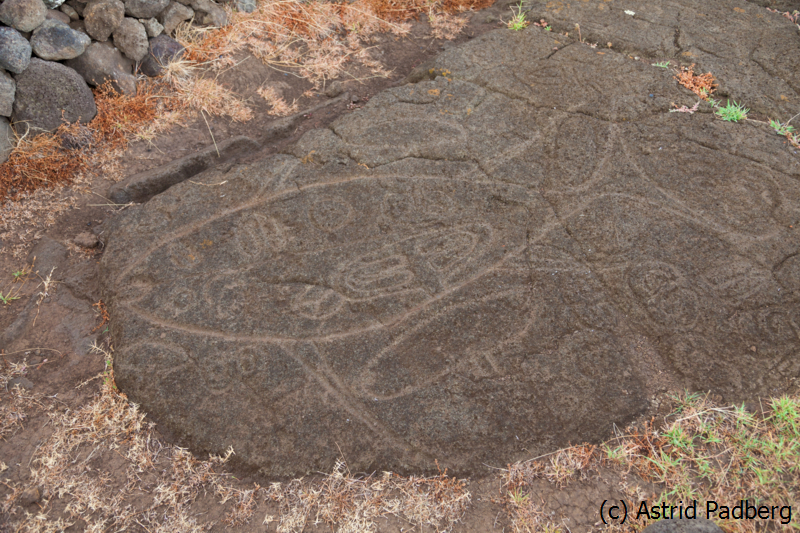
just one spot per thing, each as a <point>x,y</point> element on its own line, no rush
<point>278,105</point>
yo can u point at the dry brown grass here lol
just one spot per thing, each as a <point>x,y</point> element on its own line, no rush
<point>156,485</point>
<point>703,85</point>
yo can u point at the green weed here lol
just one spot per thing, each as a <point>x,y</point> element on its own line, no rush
<point>661,64</point>
<point>7,299</point>
<point>518,21</point>
<point>732,112</point>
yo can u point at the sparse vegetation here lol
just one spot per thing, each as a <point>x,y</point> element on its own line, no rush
<point>732,112</point>
<point>703,452</point>
<point>519,19</point>
<point>661,64</point>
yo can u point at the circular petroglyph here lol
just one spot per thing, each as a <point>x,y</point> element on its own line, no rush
<point>446,282</point>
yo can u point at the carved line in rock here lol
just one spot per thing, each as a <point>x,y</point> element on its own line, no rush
<point>279,339</point>
<point>191,228</point>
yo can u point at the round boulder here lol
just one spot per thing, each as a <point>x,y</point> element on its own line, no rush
<point>102,62</point>
<point>102,17</point>
<point>131,39</point>
<point>15,50</point>
<point>23,15</point>
<point>50,93</point>
<point>55,41</point>
<point>145,9</point>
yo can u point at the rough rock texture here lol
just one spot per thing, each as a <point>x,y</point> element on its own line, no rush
<point>54,41</point>
<point>46,91</point>
<point>163,49</point>
<point>145,9</point>
<point>752,52</point>
<point>7,90</point>
<point>6,139</point>
<point>173,15</point>
<point>131,39</point>
<point>152,27</point>
<point>102,17</point>
<point>143,186</point>
<point>15,50</point>
<point>53,4</point>
<point>102,62</point>
<point>23,15</point>
<point>472,269</point>
<point>207,12</point>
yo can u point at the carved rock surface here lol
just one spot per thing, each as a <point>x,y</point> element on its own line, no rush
<point>472,269</point>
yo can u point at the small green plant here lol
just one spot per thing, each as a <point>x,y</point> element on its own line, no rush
<point>661,64</point>
<point>732,112</point>
<point>7,299</point>
<point>518,21</point>
<point>781,129</point>
<point>518,497</point>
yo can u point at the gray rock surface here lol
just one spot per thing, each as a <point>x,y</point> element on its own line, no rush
<point>23,15</point>
<point>145,8</point>
<point>102,62</point>
<point>6,139</point>
<point>207,12</point>
<point>163,49</point>
<point>102,17</point>
<point>476,268</point>
<point>47,92</point>
<point>173,15</point>
<point>751,51</point>
<point>54,41</point>
<point>53,4</point>
<point>143,186</point>
<point>15,50</point>
<point>130,38</point>
<point>152,27</point>
<point>7,90</point>
<point>683,525</point>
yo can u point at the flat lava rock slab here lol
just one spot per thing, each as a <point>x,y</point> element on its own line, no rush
<point>471,269</point>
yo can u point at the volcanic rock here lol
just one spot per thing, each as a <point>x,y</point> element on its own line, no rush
<point>54,41</point>
<point>173,15</point>
<point>163,49</point>
<point>50,93</point>
<point>145,8</point>
<point>102,62</point>
<point>7,90</point>
<point>6,139</point>
<point>516,252</point>
<point>15,50</point>
<point>102,17</point>
<point>131,39</point>
<point>23,15</point>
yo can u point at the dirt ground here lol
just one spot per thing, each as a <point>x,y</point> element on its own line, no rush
<point>57,314</point>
